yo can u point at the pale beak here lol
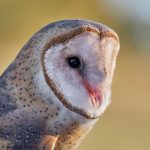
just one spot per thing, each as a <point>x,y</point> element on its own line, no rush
<point>95,93</point>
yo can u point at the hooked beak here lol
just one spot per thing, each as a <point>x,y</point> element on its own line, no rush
<point>95,93</point>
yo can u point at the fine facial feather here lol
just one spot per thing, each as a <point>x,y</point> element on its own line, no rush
<point>32,110</point>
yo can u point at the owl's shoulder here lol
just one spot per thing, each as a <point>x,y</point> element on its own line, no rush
<point>7,103</point>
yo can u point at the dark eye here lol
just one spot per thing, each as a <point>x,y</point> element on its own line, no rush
<point>74,62</point>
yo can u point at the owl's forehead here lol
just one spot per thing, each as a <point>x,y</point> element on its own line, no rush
<point>86,36</point>
<point>86,42</point>
<point>85,39</point>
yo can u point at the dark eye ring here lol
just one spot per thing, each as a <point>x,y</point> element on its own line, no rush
<point>74,62</point>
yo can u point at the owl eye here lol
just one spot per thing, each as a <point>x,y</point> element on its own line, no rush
<point>74,62</point>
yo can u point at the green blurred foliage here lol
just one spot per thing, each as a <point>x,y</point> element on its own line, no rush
<point>125,125</point>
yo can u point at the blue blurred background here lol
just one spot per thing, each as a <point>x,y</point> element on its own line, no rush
<point>126,123</point>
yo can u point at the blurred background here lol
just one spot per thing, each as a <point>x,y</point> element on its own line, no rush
<point>126,123</point>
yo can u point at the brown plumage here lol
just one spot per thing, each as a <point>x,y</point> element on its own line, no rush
<point>57,87</point>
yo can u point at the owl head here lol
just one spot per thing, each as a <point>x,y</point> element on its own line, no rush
<point>78,65</point>
<point>75,60</point>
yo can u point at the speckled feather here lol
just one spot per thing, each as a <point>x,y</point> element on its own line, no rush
<point>31,115</point>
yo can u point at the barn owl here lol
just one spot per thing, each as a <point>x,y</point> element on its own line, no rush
<point>57,87</point>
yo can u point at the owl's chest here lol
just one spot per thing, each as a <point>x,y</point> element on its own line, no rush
<point>65,123</point>
<point>70,128</point>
